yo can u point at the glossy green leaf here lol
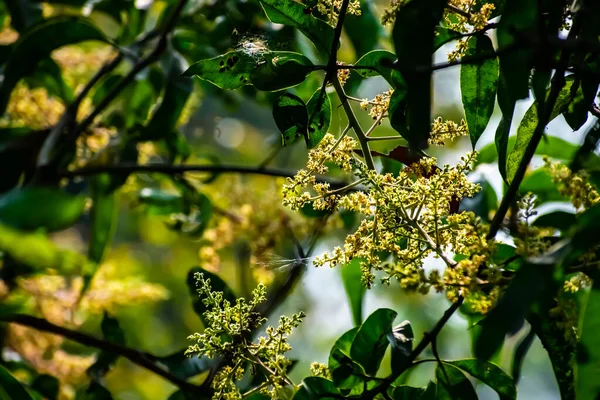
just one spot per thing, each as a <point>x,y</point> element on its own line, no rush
<point>371,341</point>
<point>345,373</point>
<point>293,13</point>
<point>478,84</point>
<point>551,146</point>
<point>526,286</point>
<point>527,128</point>
<point>490,374</point>
<point>401,339</point>
<point>355,290</point>
<point>319,118</point>
<point>228,71</point>
<point>291,117</point>
<point>588,351</point>
<point>177,91</point>
<point>112,332</point>
<point>453,384</point>
<point>414,35</point>
<point>314,388</point>
<point>10,388</point>
<point>47,386</point>
<point>37,44</point>
<point>217,284</point>
<point>507,106</point>
<point>519,18</point>
<point>577,110</point>
<point>33,207</point>
<point>280,70</point>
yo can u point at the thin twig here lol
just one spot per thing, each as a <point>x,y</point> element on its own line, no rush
<point>145,360</point>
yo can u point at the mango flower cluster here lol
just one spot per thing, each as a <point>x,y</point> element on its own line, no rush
<point>407,218</point>
<point>228,334</point>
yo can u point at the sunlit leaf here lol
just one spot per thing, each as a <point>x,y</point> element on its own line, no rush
<point>37,44</point>
<point>34,207</point>
<point>355,290</point>
<point>551,146</point>
<point>527,128</point>
<point>478,84</point>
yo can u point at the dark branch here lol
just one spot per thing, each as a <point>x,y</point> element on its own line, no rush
<point>177,169</point>
<point>145,360</point>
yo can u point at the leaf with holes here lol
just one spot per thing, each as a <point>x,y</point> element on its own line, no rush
<point>319,117</point>
<point>227,71</point>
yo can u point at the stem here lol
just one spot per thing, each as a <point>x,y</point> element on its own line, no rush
<point>145,360</point>
<point>353,121</point>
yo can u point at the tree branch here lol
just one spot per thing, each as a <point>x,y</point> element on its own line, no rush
<point>171,169</point>
<point>144,360</point>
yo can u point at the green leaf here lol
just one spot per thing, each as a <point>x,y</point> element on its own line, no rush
<point>112,332</point>
<point>443,36</point>
<point>519,356</point>
<point>355,290</point>
<point>160,202</point>
<point>94,391</point>
<point>539,182</point>
<point>588,350</point>
<point>34,207</point>
<point>519,19</point>
<point>401,339</point>
<point>526,286</point>
<point>36,45</point>
<point>490,374</point>
<point>483,203</point>
<point>355,27</point>
<point>24,14</point>
<point>10,388</point>
<point>315,387</point>
<point>507,106</point>
<point>293,13</point>
<point>46,385</point>
<point>217,284</point>
<point>478,84</point>
<point>527,128</point>
<point>103,216</point>
<point>177,91</point>
<point>368,347</point>
<point>381,61</point>
<point>414,35</point>
<point>560,220</point>
<point>49,76</point>
<point>105,86</point>
<point>186,367</point>
<point>319,118</point>
<point>38,252</point>
<point>453,384</point>
<point>340,352</point>
<point>551,146</point>
<point>408,393</point>
<point>139,99</point>
<point>280,70</point>
<point>576,111</point>
<point>228,71</point>
<point>291,117</point>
